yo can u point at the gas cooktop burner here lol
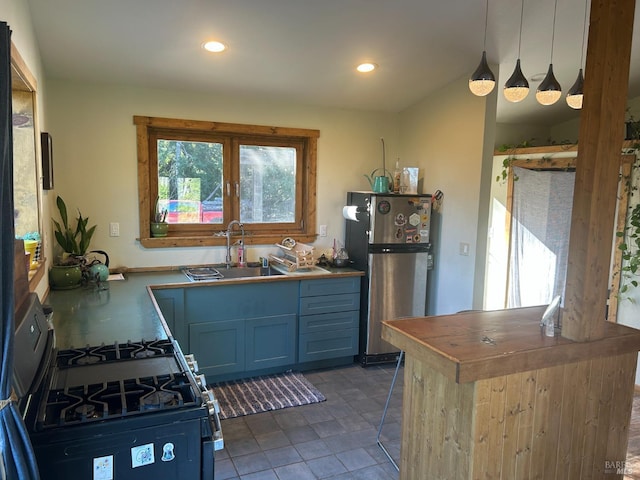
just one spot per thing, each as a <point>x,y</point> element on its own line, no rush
<point>113,353</point>
<point>145,354</point>
<point>84,403</point>
<point>84,411</point>
<point>158,400</point>
<point>89,359</point>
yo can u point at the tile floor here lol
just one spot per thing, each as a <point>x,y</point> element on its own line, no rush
<point>335,439</point>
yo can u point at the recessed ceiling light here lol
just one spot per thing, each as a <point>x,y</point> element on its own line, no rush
<point>538,76</point>
<point>366,67</point>
<point>215,47</point>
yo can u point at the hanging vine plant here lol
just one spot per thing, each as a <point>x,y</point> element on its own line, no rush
<point>630,234</point>
<point>511,150</point>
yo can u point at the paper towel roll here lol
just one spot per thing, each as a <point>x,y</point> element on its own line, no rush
<point>349,212</point>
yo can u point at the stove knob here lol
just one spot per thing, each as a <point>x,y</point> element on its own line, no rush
<point>191,362</point>
<point>214,408</point>
<point>201,382</point>
<point>208,396</point>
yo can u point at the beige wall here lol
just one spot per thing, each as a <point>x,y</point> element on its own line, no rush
<point>96,170</point>
<point>95,164</point>
<point>444,135</point>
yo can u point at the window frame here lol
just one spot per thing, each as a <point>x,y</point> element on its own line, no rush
<point>149,129</point>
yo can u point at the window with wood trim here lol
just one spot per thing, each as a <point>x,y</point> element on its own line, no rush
<point>202,175</point>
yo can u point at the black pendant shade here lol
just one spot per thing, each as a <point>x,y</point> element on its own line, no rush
<point>549,90</point>
<point>576,92</point>
<point>517,87</point>
<point>482,80</point>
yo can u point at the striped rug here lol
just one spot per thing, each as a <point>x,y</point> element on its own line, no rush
<point>264,393</point>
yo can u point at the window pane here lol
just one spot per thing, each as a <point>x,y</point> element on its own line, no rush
<point>267,184</point>
<point>190,181</point>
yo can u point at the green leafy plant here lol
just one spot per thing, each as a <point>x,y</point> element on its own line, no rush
<point>630,250</point>
<point>74,240</point>
<point>160,215</point>
<point>630,235</point>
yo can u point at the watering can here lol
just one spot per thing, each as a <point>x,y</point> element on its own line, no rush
<point>380,183</point>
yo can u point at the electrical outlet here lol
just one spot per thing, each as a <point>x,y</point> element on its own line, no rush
<point>323,230</point>
<point>114,229</point>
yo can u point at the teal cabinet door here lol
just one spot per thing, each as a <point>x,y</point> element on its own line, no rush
<point>271,341</point>
<point>241,328</point>
<point>171,304</point>
<point>218,347</point>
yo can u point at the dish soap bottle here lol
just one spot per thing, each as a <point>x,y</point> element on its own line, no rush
<point>241,254</point>
<point>396,177</point>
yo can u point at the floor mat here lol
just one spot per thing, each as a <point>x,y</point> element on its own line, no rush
<point>264,393</point>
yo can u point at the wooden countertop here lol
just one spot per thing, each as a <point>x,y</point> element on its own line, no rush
<point>477,345</point>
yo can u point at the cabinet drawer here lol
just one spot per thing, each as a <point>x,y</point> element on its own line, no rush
<point>329,303</point>
<point>329,286</point>
<point>329,321</point>
<point>326,345</point>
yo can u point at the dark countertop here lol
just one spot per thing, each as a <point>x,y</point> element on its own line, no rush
<point>125,311</point>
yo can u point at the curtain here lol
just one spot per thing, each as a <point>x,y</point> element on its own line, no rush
<point>18,461</point>
<point>540,227</point>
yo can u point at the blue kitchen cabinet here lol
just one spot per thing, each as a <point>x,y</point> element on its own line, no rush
<point>171,304</point>
<point>329,319</point>
<point>219,347</point>
<point>238,330</point>
<point>271,341</point>
<point>244,329</point>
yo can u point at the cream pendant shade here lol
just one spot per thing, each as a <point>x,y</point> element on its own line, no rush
<point>576,93</point>
<point>549,91</point>
<point>482,80</point>
<point>517,88</point>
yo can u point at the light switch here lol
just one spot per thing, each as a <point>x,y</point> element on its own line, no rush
<point>464,249</point>
<point>323,230</point>
<point>114,229</point>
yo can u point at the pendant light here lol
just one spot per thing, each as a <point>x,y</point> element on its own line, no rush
<point>517,87</point>
<point>549,91</point>
<point>575,94</point>
<point>483,80</point>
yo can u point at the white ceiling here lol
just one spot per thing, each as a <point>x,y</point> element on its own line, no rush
<point>306,50</point>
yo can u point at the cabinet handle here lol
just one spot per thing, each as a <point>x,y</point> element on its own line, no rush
<point>237,189</point>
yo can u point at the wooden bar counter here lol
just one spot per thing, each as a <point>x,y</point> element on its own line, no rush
<point>487,395</point>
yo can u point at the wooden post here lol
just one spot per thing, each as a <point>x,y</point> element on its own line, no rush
<point>601,134</point>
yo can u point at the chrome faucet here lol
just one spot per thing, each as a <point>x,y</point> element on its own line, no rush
<point>228,233</point>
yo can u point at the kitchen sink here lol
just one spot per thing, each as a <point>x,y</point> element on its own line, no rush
<point>203,274</point>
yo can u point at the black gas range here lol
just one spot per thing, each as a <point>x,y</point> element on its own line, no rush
<point>115,411</point>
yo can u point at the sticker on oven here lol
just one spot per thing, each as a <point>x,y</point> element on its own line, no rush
<point>142,455</point>
<point>103,468</point>
<point>167,452</point>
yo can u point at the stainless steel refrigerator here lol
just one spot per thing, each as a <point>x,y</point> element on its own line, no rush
<point>387,236</point>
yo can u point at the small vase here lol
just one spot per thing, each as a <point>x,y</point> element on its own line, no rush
<point>159,229</point>
<point>65,277</point>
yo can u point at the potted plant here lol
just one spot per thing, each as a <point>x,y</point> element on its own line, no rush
<point>67,272</point>
<point>159,226</point>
